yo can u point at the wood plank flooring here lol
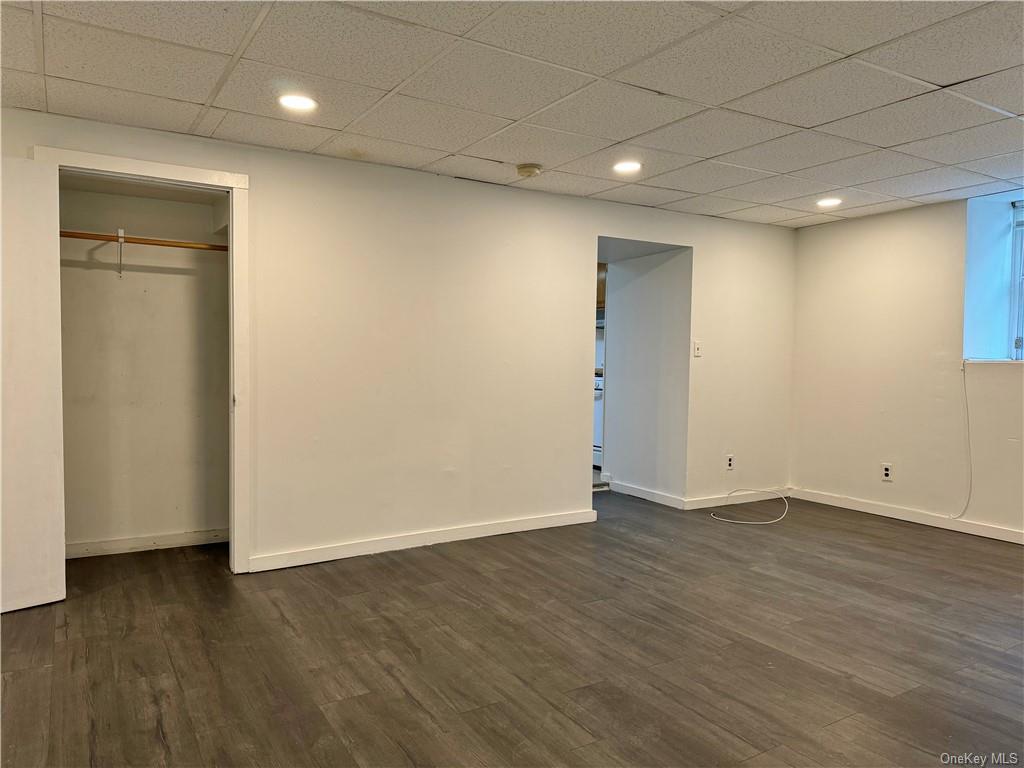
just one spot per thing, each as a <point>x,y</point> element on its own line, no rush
<point>650,638</point>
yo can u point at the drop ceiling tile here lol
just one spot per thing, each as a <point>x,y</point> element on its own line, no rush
<point>962,193</point>
<point>775,188</point>
<point>707,176</point>
<point>728,6</point>
<point>599,164</point>
<point>762,214</point>
<point>614,111</point>
<point>638,194</point>
<point>494,82</point>
<point>209,121</point>
<point>455,17</point>
<point>852,198</point>
<point>476,168</point>
<point>531,144</point>
<point>369,150</point>
<point>829,93</point>
<point>809,221</point>
<point>1008,166</point>
<point>68,97</point>
<point>871,210</point>
<point>102,57</point>
<point>213,26</point>
<point>918,118</point>
<point>970,144</point>
<point>250,129</point>
<point>255,88</point>
<point>926,182</point>
<point>983,41</point>
<point>565,183</point>
<point>880,164</point>
<point>713,132</point>
<point>333,40</point>
<point>594,37</point>
<point>795,151</point>
<point>1004,90</point>
<point>724,62</point>
<point>852,26</point>
<point>17,40</point>
<point>706,205</point>
<point>23,90</point>
<point>426,124</point>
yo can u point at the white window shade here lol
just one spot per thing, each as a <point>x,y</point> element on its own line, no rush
<point>1017,284</point>
<point>993,304</point>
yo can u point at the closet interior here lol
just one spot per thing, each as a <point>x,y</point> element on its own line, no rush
<point>145,351</point>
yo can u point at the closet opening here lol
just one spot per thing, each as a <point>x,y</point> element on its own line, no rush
<point>145,279</point>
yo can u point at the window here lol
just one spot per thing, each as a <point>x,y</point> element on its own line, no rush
<point>1017,283</point>
<point>994,279</point>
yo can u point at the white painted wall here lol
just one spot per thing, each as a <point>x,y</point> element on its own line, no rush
<point>879,330</point>
<point>392,396</point>
<point>647,320</point>
<point>988,282</point>
<point>145,374</point>
<point>996,392</point>
<point>743,314</point>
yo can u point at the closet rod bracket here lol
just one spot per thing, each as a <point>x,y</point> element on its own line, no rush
<point>120,253</point>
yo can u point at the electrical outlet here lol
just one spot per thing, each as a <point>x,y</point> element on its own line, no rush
<point>887,473</point>
<point>730,462</point>
<point>698,349</point>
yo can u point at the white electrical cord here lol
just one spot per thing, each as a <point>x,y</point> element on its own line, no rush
<point>970,469</point>
<point>970,454</point>
<point>755,522</point>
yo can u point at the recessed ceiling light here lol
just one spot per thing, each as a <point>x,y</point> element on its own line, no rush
<point>627,166</point>
<point>829,202</point>
<point>297,102</point>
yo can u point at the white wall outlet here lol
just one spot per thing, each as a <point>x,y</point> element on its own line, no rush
<point>887,472</point>
<point>730,462</point>
<point>698,349</point>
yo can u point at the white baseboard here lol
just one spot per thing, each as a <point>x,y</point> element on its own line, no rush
<point>743,497</point>
<point>75,549</point>
<point>415,539</point>
<point>910,514</point>
<point>846,502</point>
<point>694,502</point>
<point>646,493</point>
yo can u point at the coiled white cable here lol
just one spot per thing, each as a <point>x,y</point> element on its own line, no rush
<point>755,522</point>
<point>970,469</point>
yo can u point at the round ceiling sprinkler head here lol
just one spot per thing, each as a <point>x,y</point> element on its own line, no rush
<point>528,170</point>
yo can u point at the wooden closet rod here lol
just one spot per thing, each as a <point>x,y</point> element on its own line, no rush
<point>143,241</point>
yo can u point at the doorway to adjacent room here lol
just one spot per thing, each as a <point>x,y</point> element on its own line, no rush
<point>641,369</point>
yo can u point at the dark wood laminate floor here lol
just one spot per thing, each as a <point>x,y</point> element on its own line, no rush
<point>653,637</point>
